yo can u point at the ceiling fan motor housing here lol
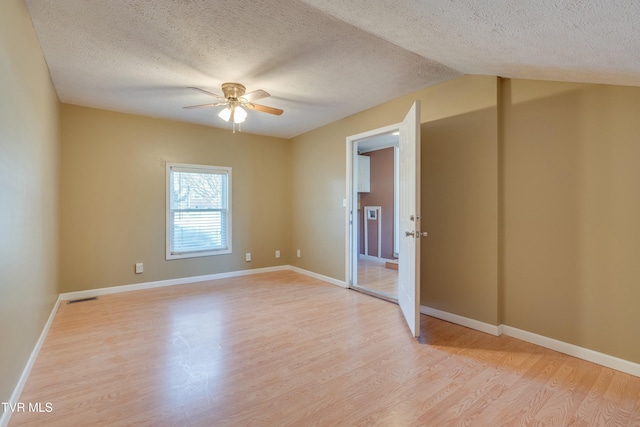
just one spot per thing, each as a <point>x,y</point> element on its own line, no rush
<point>233,91</point>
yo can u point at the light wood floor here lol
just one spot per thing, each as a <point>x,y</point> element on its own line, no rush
<point>374,276</point>
<point>282,349</point>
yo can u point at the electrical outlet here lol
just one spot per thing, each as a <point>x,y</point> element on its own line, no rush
<point>278,253</point>
<point>247,257</point>
<point>139,268</point>
<point>298,253</point>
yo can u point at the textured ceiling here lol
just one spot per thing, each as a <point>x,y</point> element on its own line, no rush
<point>321,60</point>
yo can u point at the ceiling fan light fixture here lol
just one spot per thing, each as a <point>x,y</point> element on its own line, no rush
<point>225,114</point>
<point>240,115</point>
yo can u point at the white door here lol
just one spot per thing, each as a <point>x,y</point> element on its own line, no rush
<point>409,212</point>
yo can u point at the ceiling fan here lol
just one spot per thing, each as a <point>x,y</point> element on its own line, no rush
<point>234,100</point>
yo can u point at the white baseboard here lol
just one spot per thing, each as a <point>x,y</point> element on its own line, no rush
<point>161,283</point>
<point>324,278</point>
<point>574,350</point>
<point>17,391</point>
<point>461,320</point>
<point>550,343</point>
<point>89,293</point>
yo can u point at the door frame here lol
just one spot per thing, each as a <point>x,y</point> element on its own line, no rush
<point>351,216</point>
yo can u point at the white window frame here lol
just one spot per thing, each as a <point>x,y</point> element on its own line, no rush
<point>184,167</point>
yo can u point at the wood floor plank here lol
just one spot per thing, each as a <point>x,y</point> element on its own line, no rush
<point>373,275</point>
<point>288,350</point>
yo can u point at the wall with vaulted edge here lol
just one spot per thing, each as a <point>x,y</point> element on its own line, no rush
<point>29,148</point>
<point>570,208</point>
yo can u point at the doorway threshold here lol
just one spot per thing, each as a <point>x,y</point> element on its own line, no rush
<point>380,295</point>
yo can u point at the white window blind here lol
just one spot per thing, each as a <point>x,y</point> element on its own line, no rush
<point>198,210</point>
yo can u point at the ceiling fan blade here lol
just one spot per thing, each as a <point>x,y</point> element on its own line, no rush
<point>265,109</point>
<point>206,105</point>
<point>255,95</point>
<point>207,92</point>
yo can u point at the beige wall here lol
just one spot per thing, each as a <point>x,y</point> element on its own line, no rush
<point>113,197</point>
<point>571,239</point>
<point>460,212</point>
<point>28,193</point>
<point>460,261</point>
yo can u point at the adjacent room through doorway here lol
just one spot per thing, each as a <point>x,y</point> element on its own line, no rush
<point>376,218</point>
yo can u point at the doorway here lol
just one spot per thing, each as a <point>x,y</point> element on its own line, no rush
<point>408,229</point>
<point>375,213</point>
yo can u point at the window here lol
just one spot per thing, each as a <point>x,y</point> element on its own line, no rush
<point>198,210</point>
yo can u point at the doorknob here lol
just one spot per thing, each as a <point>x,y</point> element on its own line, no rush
<point>409,233</point>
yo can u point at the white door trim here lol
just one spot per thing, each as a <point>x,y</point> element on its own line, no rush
<point>351,211</point>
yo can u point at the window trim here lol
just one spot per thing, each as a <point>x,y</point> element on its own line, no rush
<point>196,168</point>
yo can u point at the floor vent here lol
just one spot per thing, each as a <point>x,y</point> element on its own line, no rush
<point>73,301</point>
